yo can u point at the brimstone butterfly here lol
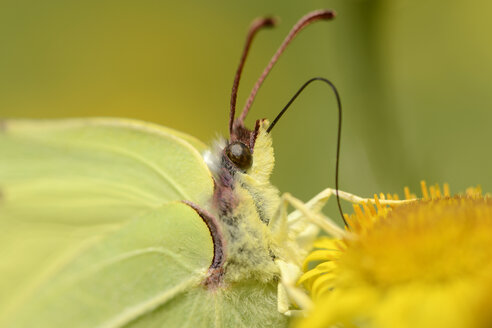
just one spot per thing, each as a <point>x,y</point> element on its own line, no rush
<point>119,223</point>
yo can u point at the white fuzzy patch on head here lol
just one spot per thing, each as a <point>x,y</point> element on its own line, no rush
<point>213,156</point>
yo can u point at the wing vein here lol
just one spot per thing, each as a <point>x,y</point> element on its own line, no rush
<point>192,312</point>
<point>125,256</point>
<point>146,306</point>
<point>150,165</point>
<point>141,160</point>
<point>109,188</point>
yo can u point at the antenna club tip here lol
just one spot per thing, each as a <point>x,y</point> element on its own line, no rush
<point>324,14</point>
<point>265,22</point>
<point>271,21</point>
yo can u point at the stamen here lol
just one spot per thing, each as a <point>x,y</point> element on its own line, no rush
<point>438,191</point>
<point>378,204</point>
<point>360,215</point>
<point>367,212</point>
<point>432,191</point>
<point>371,208</point>
<point>447,193</point>
<point>407,193</point>
<point>425,193</point>
<point>351,223</point>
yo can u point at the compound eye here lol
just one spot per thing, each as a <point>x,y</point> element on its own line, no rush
<point>240,155</point>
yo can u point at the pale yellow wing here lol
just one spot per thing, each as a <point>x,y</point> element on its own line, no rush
<point>65,184</point>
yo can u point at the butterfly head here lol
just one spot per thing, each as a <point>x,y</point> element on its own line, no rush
<point>247,153</point>
<point>240,147</point>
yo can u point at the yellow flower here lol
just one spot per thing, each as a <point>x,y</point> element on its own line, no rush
<point>425,263</point>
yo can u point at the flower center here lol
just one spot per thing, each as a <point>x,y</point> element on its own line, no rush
<point>432,241</point>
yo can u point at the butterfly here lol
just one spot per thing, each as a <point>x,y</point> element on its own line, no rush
<point>116,222</point>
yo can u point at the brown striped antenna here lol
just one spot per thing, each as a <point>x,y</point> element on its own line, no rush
<point>300,25</point>
<point>255,27</point>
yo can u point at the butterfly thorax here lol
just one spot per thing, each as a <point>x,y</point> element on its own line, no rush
<point>244,202</point>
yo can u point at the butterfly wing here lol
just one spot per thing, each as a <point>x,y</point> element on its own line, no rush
<point>65,185</point>
<point>141,266</point>
<point>246,304</point>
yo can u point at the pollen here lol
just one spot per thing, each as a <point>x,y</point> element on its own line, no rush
<point>424,263</point>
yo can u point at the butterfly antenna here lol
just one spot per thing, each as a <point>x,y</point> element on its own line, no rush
<point>301,24</point>
<point>255,27</point>
<point>339,131</point>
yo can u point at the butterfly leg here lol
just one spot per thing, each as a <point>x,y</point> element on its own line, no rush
<point>289,265</point>
<point>288,292</point>
<point>312,209</point>
<point>320,199</point>
<point>297,232</point>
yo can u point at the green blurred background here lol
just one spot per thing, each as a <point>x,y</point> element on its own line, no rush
<point>415,80</point>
